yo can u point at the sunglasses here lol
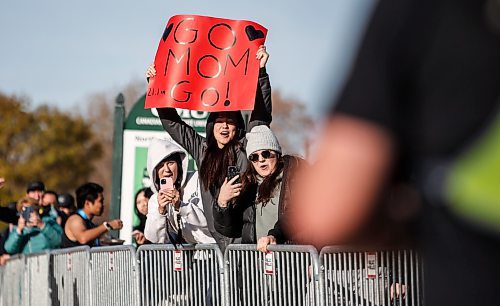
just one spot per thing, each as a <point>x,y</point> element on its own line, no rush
<point>266,154</point>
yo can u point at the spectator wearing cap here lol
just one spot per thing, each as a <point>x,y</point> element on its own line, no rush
<point>34,232</point>
<point>79,228</point>
<point>65,207</point>
<point>266,187</point>
<point>35,191</point>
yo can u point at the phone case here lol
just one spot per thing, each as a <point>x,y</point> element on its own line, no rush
<point>166,183</point>
<point>233,171</point>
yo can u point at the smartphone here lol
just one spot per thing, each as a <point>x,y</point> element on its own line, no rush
<point>233,171</point>
<point>166,183</point>
<point>27,212</point>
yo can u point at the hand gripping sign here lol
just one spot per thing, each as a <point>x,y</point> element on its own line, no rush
<point>206,64</point>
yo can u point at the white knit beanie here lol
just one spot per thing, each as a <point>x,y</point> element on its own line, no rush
<point>261,138</point>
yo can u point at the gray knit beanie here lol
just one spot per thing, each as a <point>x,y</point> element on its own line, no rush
<point>261,138</point>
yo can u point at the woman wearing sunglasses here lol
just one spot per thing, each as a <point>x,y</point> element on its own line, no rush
<point>258,212</point>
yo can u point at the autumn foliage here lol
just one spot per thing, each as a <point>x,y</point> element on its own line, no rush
<point>43,144</point>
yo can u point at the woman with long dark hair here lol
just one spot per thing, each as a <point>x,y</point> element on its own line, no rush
<point>141,210</point>
<point>223,145</point>
<point>258,213</point>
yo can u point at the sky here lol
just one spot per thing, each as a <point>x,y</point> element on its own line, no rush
<point>60,52</point>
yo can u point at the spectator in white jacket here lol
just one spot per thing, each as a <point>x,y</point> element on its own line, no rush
<point>170,219</point>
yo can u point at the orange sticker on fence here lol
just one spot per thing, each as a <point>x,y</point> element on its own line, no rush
<point>206,64</point>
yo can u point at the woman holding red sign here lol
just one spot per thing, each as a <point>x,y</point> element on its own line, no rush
<point>223,145</point>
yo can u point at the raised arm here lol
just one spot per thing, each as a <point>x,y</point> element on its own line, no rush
<point>79,231</point>
<point>179,130</point>
<point>262,113</point>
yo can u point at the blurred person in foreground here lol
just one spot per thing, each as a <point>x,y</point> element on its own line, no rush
<point>420,107</point>
<point>79,229</point>
<point>34,232</point>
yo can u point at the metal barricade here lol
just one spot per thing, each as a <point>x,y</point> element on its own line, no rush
<point>114,278</point>
<point>2,273</point>
<point>36,279</point>
<point>379,277</point>
<point>11,292</point>
<point>70,276</point>
<point>287,275</point>
<point>190,275</point>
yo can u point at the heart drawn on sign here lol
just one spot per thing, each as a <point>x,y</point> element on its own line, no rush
<point>167,32</point>
<point>252,33</point>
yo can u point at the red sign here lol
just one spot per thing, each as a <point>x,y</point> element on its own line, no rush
<point>206,64</point>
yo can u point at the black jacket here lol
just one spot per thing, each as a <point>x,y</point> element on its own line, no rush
<point>239,219</point>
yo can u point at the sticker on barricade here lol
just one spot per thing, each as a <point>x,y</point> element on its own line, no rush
<point>111,261</point>
<point>178,261</point>
<point>69,262</point>
<point>371,265</point>
<point>269,263</point>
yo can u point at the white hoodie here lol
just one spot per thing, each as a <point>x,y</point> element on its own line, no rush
<point>193,222</point>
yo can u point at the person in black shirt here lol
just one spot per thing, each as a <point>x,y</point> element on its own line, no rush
<point>79,229</point>
<point>421,107</point>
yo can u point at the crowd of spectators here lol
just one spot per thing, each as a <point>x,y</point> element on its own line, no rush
<point>43,220</point>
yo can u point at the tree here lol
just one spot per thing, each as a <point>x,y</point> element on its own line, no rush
<point>100,113</point>
<point>45,144</point>
<point>291,123</point>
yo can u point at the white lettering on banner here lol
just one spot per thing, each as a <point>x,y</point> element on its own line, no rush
<point>178,261</point>
<point>269,263</point>
<point>371,264</point>
<point>147,121</point>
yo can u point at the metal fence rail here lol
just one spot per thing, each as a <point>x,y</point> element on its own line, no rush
<point>36,279</point>
<point>379,277</point>
<point>200,275</point>
<point>191,275</point>
<point>12,284</point>
<point>287,275</point>
<point>114,278</point>
<point>70,276</point>
<point>2,273</point>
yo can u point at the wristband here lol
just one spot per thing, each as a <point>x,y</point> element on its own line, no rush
<point>107,226</point>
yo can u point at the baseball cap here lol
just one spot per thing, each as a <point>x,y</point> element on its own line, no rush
<point>66,200</point>
<point>36,185</point>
